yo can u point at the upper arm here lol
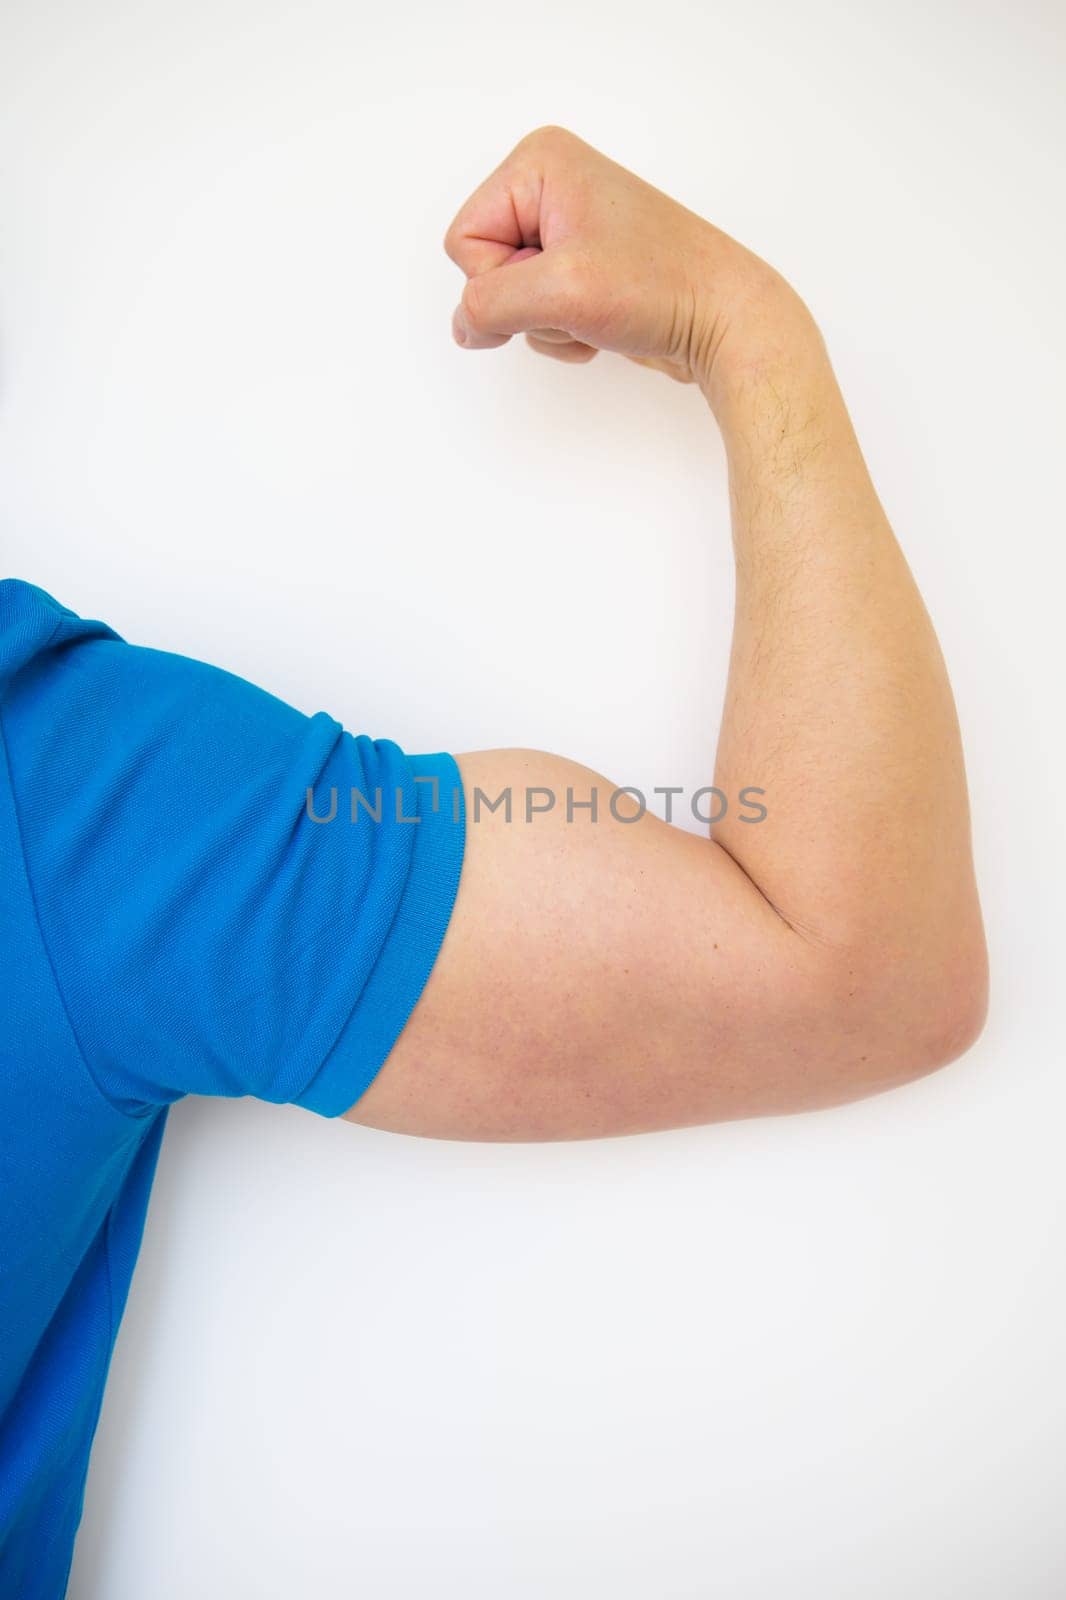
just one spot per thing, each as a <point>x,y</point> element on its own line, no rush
<point>612,976</point>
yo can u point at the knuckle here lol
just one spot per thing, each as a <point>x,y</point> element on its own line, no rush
<point>571,285</point>
<point>549,134</point>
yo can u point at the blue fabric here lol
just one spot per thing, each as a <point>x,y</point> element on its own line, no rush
<point>173,920</point>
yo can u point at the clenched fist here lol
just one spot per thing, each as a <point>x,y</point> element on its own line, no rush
<point>566,246</point>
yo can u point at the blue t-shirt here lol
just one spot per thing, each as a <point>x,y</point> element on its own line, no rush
<point>186,907</point>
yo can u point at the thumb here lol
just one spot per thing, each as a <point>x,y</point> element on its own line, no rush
<point>526,292</point>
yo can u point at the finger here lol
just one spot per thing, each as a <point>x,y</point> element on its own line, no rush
<point>475,339</point>
<point>566,349</point>
<point>536,292</point>
<point>464,335</point>
<point>500,217</point>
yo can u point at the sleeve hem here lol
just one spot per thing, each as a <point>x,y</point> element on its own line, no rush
<point>407,959</point>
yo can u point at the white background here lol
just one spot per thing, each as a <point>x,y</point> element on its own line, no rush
<point>815,1357</point>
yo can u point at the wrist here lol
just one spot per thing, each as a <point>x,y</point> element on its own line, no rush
<point>749,330</point>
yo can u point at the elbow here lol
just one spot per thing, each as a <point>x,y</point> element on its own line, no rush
<point>907,1015</point>
<point>951,1018</point>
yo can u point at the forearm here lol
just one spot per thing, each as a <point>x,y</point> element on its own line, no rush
<point>838,703</point>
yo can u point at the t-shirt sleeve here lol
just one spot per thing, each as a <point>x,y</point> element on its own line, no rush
<point>236,898</point>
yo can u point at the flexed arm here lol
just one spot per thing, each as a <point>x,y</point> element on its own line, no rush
<point>621,975</point>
